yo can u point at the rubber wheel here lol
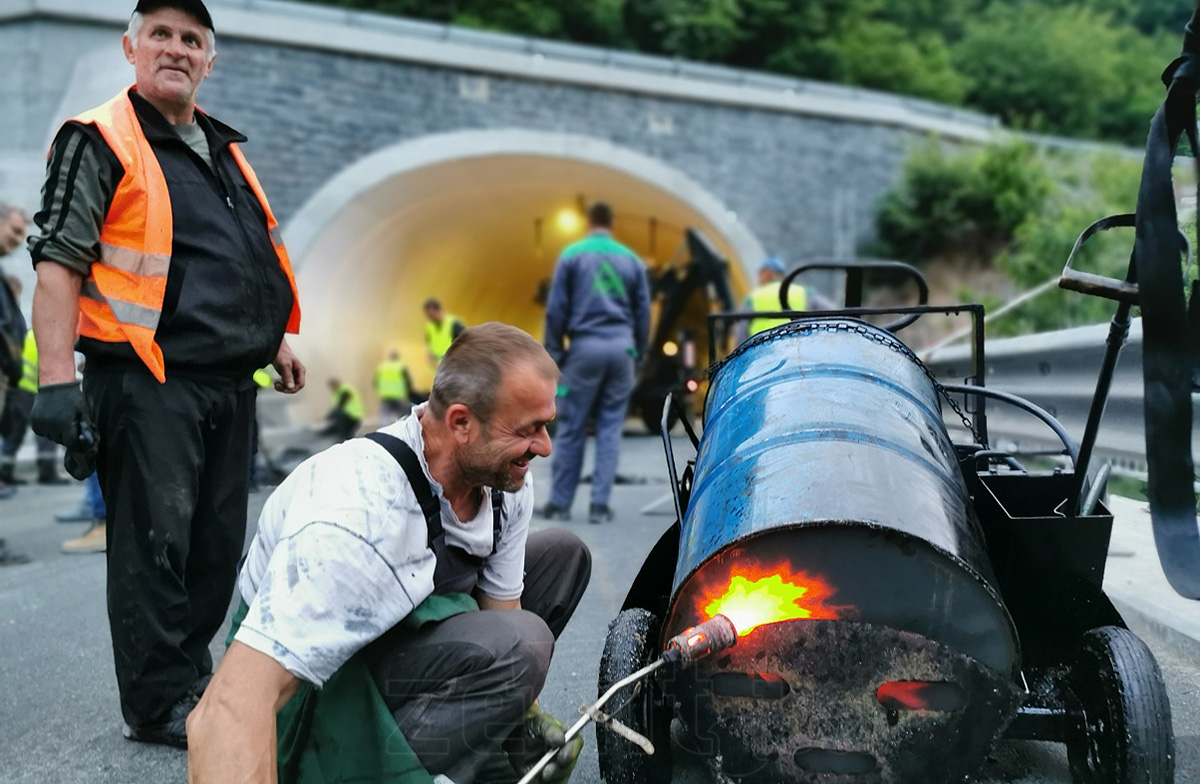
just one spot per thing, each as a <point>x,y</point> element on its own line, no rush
<point>631,645</point>
<point>1121,728</point>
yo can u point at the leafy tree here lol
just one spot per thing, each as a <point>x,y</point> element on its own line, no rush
<point>1041,68</point>
<point>884,56</point>
<point>1087,188</point>
<point>693,29</point>
<point>1146,16</point>
<point>970,202</point>
<point>1085,68</point>
<point>597,22</point>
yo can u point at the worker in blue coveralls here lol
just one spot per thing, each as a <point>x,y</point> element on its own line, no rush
<point>600,303</point>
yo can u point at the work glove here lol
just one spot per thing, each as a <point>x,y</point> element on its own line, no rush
<point>60,415</point>
<point>536,735</point>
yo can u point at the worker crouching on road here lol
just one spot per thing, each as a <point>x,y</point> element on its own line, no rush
<point>344,419</point>
<point>394,583</point>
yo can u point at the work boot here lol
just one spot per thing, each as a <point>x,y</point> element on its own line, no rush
<point>48,473</point>
<point>170,729</point>
<point>599,513</point>
<point>552,512</point>
<point>94,541</point>
<point>10,557</point>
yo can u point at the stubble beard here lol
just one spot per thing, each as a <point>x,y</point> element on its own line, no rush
<point>479,470</point>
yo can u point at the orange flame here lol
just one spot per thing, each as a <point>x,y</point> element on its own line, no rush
<point>769,596</point>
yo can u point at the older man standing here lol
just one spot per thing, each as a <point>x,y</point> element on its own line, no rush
<point>159,253</point>
<point>396,606</point>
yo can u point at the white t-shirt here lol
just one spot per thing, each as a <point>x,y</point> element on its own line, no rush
<point>340,555</point>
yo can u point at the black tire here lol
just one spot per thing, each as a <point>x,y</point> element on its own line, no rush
<point>1120,732</point>
<point>631,645</point>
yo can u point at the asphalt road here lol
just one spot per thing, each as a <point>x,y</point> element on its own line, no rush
<point>59,720</point>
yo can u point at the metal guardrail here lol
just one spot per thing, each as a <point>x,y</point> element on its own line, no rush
<point>1058,371</point>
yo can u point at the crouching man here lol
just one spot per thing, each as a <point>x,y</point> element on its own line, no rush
<point>398,617</point>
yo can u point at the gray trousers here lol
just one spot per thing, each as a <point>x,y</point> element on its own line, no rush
<point>459,687</point>
<point>598,375</point>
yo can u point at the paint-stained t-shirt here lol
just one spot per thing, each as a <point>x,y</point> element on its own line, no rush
<point>340,555</point>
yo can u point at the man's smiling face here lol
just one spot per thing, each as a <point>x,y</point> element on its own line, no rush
<point>170,57</point>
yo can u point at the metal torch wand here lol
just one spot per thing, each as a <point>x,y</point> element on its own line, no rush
<point>714,635</point>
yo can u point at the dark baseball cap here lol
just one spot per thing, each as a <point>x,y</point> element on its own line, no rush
<point>193,7</point>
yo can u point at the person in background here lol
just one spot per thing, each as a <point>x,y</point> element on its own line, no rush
<point>393,387</point>
<point>12,321</point>
<point>159,254</point>
<point>346,416</point>
<point>600,303</point>
<point>765,297</point>
<point>14,420</point>
<point>441,328</point>
<point>12,335</point>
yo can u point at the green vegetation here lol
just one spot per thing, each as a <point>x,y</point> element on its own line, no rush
<point>1081,68</point>
<point>1017,210</point>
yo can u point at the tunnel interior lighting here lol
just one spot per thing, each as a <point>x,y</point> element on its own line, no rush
<point>568,220</point>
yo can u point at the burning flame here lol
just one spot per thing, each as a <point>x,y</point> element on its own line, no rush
<point>765,596</point>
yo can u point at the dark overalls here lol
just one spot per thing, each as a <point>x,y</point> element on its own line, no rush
<point>458,687</point>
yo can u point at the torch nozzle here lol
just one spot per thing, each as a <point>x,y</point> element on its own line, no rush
<point>714,635</point>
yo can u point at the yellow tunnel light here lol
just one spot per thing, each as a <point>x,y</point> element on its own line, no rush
<point>568,220</point>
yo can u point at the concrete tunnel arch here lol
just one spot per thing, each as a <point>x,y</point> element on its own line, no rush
<point>455,216</point>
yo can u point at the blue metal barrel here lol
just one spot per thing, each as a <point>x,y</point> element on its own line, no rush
<point>824,449</point>
<point>827,499</point>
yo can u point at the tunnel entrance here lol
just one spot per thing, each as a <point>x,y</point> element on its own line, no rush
<point>476,219</point>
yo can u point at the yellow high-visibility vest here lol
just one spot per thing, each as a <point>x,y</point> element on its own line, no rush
<point>353,406</point>
<point>439,336</point>
<point>766,298</point>
<point>29,380</point>
<point>121,301</point>
<point>389,381</point>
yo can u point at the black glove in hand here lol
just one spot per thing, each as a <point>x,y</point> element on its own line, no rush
<point>80,462</point>
<point>539,733</point>
<point>60,415</point>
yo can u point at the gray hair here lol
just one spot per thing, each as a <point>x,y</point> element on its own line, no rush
<point>138,19</point>
<point>473,368</point>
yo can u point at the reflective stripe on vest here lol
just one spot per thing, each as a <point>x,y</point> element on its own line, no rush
<point>389,381</point>
<point>353,407</point>
<point>122,299</point>
<point>766,298</point>
<point>440,336</point>
<point>29,380</point>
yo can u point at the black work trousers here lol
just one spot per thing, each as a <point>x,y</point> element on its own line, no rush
<point>174,466</point>
<point>459,687</point>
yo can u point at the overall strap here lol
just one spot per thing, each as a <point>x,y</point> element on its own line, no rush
<point>497,516</point>
<point>407,458</point>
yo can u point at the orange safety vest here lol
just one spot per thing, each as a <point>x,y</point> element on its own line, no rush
<point>121,300</point>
